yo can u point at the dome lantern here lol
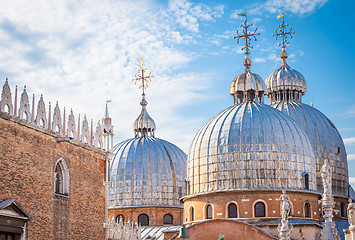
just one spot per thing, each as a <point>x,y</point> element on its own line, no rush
<point>248,86</point>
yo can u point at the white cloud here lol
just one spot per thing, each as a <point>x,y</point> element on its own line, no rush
<point>300,7</point>
<point>351,157</point>
<point>351,179</point>
<point>349,140</point>
<point>259,60</point>
<point>81,53</point>
<point>188,14</point>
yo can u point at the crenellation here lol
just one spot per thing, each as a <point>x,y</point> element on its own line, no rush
<point>71,132</point>
<point>55,123</point>
<point>24,110</point>
<point>6,99</point>
<point>85,131</point>
<point>41,117</point>
<point>98,136</point>
<point>57,119</point>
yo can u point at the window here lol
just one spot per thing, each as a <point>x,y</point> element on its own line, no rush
<point>120,218</point>
<point>209,211</point>
<point>342,210</point>
<point>232,210</point>
<point>143,220</point>
<point>192,214</point>
<point>307,210</point>
<point>306,181</point>
<point>259,209</point>
<point>61,178</point>
<point>168,219</point>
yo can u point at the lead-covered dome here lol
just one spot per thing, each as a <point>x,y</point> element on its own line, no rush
<point>146,171</point>
<point>250,146</point>
<point>325,140</point>
<point>285,83</point>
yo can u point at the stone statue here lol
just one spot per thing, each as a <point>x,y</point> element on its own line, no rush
<point>351,212</point>
<point>326,177</point>
<point>285,205</point>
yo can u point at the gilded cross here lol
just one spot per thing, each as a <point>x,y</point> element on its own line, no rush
<point>141,76</point>
<point>245,34</point>
<point>282,32</point>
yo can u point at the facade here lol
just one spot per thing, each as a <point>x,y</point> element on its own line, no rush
<point>51,184</point>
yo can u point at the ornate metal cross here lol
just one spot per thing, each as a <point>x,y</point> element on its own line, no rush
<point>282,32</point>
<point>245,34</point>
<point>141,77</point>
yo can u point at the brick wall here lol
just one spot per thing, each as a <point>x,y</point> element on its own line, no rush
<point>155,214</point>
<point>27,161</point>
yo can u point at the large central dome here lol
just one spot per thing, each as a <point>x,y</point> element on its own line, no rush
<point>250,146</point>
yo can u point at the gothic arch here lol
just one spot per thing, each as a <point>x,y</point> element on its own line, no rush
<point>61,177</point>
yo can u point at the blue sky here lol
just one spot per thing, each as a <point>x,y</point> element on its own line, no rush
<point>81,52</point>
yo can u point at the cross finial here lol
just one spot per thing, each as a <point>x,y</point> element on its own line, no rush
<point>282,32</point>
<point>142,77</point>
<point>245,34</point>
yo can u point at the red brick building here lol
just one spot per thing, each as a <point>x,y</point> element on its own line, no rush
<point>51,185</point>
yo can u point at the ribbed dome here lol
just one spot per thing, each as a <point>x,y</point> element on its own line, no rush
<point>286,78</point>
<point>147,171</point>
<point>247,86</point>
<point>247,81</point>
<point>325,139</point>
<point>250,146</point>
<point>285,83</point>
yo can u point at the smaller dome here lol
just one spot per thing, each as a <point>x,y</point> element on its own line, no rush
<point>286,80</point>
<point>144,124</point>
<point>247,85</point>
<point>247,81</point>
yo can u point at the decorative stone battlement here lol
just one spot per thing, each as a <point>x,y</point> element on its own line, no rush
<point>53,123</point>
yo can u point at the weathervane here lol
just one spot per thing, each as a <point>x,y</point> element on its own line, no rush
<point>282,32</point>
<point>141,77</point>
<point>245,34</point>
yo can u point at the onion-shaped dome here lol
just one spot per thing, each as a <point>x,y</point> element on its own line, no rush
<point>325,140</point>
<point>147,171</point>
<point>247,85</point>
<point>285,83</point>
<point>250,146</point>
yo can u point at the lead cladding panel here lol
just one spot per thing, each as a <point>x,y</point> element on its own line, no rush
<point>147,171</point>
<point>325,140</point>
<point>250,146</point>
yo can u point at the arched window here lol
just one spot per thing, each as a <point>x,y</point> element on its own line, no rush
<point>307,210</point>
<point>306,181</point>
<point>168,219</point>
<point>209,211</point>
<point>192,214</point>
<point>143,220</point>
<point>343,210</point>
<point>120,218</point>
<point>232,210</point>
<point>61,178</point>
<point>259,209</point>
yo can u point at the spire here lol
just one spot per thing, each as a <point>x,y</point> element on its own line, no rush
<point>107,129</point>
<point>282,32</point>
<point>144,124</point>
<point>247,86</point>
<point>106,111</point>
